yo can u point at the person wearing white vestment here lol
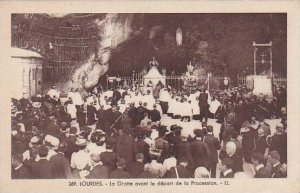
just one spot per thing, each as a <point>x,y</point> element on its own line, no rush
<point>214,104</point>
<point>77,99</point>
<point>164,98</point>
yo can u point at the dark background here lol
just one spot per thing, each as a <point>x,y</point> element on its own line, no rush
<point>229,37</point>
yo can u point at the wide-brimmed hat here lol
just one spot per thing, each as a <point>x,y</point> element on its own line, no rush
<point>80,141</point>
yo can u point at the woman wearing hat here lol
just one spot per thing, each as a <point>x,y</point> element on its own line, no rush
<point>80,160</point>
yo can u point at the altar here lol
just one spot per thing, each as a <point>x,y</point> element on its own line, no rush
<point>153,77</point>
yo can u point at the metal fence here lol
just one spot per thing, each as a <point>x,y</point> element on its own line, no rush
<point>174,81</point>
<point>276,80</point>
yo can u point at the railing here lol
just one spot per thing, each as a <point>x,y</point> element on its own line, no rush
<point>280,81</point>
<point>175,81</point>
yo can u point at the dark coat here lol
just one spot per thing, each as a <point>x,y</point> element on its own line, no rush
<point>213,145</point>
<point>279,143</point>
<point>21,173</point>
<point>261,144</point>
<point>203,99</point>
<point>155,115</point>
<point>200,153</point>
<point>91,113</point>
<point>119,174</point>
<point>262,173</point>
<point>126,148</point>
<point>135,168</point>
<point>182,172</point>
<point>248,145</point>
<point>98,172</point>
<point>143,147</point>
<point>184,151</point>
<point>71,147</point>
<point>42,169</point>
<point>109,159</point>
<point>61,166</point>
<point>139,114</point>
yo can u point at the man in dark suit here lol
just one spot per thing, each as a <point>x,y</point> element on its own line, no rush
<point>139,113</point>
<point>183,151</point>
<point>180,171</point>
<point>101,118</point>
<point>98,171</point>
<point>278,171</point>
<point>226,168</point>
<point>19,171</point>
<point>137,167</point>
<point>142,147</point>
<point>278,143</point>
<point>261,142</point>
<point>203,105</point>
<point>200,151</point>
<point>91,114</point>
<point>109,158</point>
<point>61,165</point>
<point>213,144</point>
<point>42,169</point>
<point>119,173</point>
<point>71,143</point>
<point>125,146</point>
<point>258,161</point>
<point>155,114</point>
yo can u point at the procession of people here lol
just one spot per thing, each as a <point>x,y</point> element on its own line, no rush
<point>145,132</point>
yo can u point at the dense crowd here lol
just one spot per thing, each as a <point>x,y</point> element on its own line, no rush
<point>118,133</point>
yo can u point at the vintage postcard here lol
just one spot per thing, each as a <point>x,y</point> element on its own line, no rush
<point>130,96</point>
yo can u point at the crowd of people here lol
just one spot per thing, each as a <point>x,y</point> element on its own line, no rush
<point>117,133</point>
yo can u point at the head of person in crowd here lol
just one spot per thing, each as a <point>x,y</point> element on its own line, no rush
<point>283,111</point>
<point>114,107</point>
<point>257,158</point>
<point>198,133</point>
<point>184,135</point>
<point>139,157</point>
<point>110,142</point>
<point>253,119</point>
<point>233,135</point>
<point>230,148</point>
<point>72,131</point>
<point>273,157</point>
<point>140,135</point>
<point>43,151</point>
<point>201,172</point>
<point>51,142</point>
<point>162,130</point>
<point>17,160</point>
<point>34,141</point>
<point>210,129</point>
<point>279,128</point>
<point>81,142</point>
<point>62,147</point>
<point>64,127</point>
<point>260,132</point>
<point>226,164</point>
<point>145,105</point>
<point>99,139</point>
<point>95,158</point>
<point>121,163</point>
